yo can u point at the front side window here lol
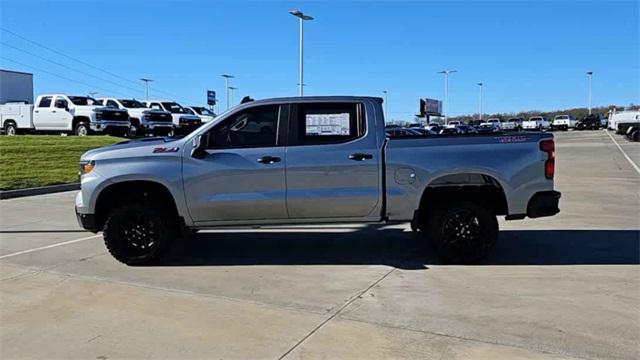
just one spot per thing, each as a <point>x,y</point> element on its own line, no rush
<point>112,104</point>
<point>253,127</point>
<point>45,102</point>
<point>322,123</point>
<point>83,100</point>
<point>156,106</point>
<point>131,104</point>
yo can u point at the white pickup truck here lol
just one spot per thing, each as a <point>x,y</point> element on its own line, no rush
<point>143,119</point>
<point>63,113</point>
<point>183,122</point>
<point>202,112</point>
<point>536,123</point>
<point>563,122</point>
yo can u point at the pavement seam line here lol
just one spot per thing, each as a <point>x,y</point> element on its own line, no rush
<point>635,167</point>
<point>462,338</point>
<point>47,247</point>
<point>349,302</point>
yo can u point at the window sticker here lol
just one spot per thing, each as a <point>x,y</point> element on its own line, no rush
<point>327,124</point>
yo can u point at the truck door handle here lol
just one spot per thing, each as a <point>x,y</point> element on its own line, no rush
<point>268,159</point>
<point>360,157</point>
<point>53,111</point>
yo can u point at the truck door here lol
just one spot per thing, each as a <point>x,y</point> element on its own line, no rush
<point>241,177</point>
<point>333,162</point>
<point>61,115</point>
<point>43,114</point>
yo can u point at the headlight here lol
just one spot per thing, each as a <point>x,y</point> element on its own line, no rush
<point>86,166</point>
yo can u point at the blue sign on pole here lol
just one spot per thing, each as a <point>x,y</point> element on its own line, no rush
<point>211,97</point>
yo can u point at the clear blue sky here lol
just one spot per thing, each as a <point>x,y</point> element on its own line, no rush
<point>530,55</point>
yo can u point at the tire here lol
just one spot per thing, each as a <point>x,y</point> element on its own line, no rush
<point>635,136</point>
<point>462,232</point>
<point>10,128</point>
<point>138,233</point>
<point>81,129</point>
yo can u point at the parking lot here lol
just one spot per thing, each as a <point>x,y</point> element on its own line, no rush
<point>561,287</point>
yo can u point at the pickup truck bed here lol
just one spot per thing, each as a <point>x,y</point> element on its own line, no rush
<point>314,160</point>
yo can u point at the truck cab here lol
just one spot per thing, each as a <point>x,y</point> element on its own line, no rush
<point>183,121</point>
<point>143,120</point>
<point>536,123</point>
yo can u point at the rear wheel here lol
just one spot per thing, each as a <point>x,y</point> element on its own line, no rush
<point>10,129</point>
<point>138,234</point>
<point>635,136</point>
<point>462,232</point>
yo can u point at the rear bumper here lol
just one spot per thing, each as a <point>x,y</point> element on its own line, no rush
<point>544,203</point>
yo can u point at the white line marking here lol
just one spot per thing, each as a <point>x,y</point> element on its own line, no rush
<point>47,247</point>
<point>624,153</point>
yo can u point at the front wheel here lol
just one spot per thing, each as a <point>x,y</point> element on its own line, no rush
<point>138,233</point>
<point>462,232</point>
<point>81,129</point>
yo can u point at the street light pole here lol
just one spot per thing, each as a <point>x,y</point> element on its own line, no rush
<point>446,91</point>
<point>590,75</point>
<point>480,86</point>
<point>386,105</point>
<point>226,86</point>
<point>93,93</point>
<point>232,92</point>
<point>301,17</point>
<point>146,88</point>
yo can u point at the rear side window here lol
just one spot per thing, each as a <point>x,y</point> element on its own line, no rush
<point>326,123</point>
<point>45,102</point>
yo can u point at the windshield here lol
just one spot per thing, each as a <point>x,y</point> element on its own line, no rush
<point>493,120</point>
<point>203,111</point>
<point>131,104</point>
<point>174,108</point>
<point>83,100</point>
<point>562,117</point>
<point>535,119</point>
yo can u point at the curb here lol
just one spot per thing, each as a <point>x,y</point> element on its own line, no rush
<point>9,194</point>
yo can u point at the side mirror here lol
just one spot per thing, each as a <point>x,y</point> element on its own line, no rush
<point>198,151</point>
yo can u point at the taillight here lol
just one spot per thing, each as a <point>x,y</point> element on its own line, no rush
<point>549,147</point>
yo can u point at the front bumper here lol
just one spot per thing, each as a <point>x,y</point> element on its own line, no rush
<point>86,221</point>
<point>109,125</point>
<point>544,203</point>
<point>157,125</point>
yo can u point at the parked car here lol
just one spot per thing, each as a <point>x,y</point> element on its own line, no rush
<point>563,122</point>
<point>513,124</point>
<point>435,128</point>
<point>453,123</point>
<point>589,122</point>
<point>80,115</point>
<point>450,130</point>
<point>618,117</point>
<point>486,128</point>
<point>143,120</point>
<point>536,123</point>
<point>422,131</point>
<point>467,129</point>
<point>202,112</point>
<point>495,122</point>
<point>475,123</point>
<point>183,122</point>
<point>395,132</point>
<point>143,194</point>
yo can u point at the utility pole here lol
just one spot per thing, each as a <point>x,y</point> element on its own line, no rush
<point>146,88</point>
<point>301,17</point>
<point>226,86</point>
<point>446,91</point>
<point>386,105</point>
<point>480,87</point>
<point>590,75</point>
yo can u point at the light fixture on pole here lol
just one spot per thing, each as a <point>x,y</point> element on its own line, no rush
<point>301,17</point>
<point>590,75</point>
<point>386,105</point>
<point>231,88</point>
<point>226,86</point>
<point>446,91</point>
<point>480,87</point>
<point>146,88</point>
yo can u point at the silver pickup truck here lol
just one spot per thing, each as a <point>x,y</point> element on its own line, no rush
<point>313,160</point>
